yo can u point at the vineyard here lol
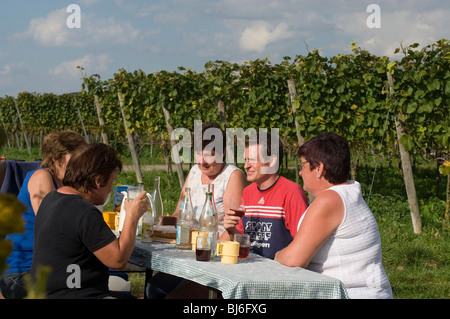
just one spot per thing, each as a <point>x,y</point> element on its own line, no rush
<point>385,108</point>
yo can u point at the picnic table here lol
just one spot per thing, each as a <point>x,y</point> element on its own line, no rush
<point>253,278</point>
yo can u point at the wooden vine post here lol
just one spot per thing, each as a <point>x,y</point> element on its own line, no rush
<point>444,169</point>
<point>81,120</point>
<point>407,168</point>
<point>447,192</point>
<point>133,152</point>
<point>176,156</point>
<point>292,95</point>
<point>222,114</point>
<point>101,121</point>
<point>300,139</point>
<point>23,129</point>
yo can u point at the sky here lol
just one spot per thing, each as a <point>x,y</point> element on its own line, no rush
<point>41,44</point>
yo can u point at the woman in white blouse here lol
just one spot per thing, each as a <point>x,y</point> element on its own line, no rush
<point>338,235</point>
<point>228,180</point>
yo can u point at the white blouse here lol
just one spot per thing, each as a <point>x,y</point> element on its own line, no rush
<point>198,191</point>
<point>352,254</point>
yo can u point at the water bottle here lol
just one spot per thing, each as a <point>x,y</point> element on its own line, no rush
<point>158,211</point>
<point>209,221</point>
<point>148,222</point>
<point>185,222</point>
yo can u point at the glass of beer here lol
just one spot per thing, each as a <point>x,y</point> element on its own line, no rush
<point>203,249</point>
<point>244,244</point>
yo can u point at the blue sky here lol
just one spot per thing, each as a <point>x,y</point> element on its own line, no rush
<point>39,53</point>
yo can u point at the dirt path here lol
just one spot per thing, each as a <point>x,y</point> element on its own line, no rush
<point>128,168</point>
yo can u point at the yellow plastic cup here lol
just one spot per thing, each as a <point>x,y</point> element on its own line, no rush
<point>229,250</point>
<point>110,219</point>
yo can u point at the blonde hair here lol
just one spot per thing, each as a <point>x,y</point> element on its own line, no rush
<point>57,144</point>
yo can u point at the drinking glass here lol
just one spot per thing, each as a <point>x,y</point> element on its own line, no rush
<point>134,191</point>
<point>237,206</point>
<point>203,249</point>
<point>244,244</point>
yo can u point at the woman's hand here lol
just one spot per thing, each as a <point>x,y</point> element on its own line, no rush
<point>138,206</point>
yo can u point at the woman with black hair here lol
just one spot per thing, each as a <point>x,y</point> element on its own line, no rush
<point>337,235</point>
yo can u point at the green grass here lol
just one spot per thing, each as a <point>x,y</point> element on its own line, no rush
<point>137,284</point>
<point>146,156</point>
<point>418,266</point>
<point>13,153</point>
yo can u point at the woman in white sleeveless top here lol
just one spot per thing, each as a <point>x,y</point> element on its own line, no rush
<point>220,182</point>
<point>338,235</point>
<point>228,180</point>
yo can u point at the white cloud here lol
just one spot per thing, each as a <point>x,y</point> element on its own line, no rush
<point>91,64</point>
<point>89,2</point>
<point>110,30</point>
<point>155,35</point>
<point>3,53</point>
<point>6,70</point>
<point>283,27</point>
<point>258,36</point>
<point>52,30</point>
<point>15,68</point>
<point>407,26</point>
<point>10,73</point>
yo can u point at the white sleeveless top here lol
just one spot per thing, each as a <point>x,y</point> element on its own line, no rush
<point>352,254</point>
<point>198,191</point>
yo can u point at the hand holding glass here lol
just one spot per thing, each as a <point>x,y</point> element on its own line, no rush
<point>134,191</point>
<point>237,206</point>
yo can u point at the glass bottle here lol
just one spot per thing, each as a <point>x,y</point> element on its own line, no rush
<point>157,202</point>
<point>209,221</point>
<point>185,222</point>
<point>139,226</point>
<point>148,222</point>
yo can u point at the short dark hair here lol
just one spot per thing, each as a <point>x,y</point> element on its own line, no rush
<point>333,151</point>
<point>95,161</point>
<point>201,140</point>
<point>268,146</point>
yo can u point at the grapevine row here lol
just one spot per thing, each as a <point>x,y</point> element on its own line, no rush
<point>349,94</point>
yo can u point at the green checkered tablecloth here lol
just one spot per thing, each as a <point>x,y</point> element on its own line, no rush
<point>253,278</point>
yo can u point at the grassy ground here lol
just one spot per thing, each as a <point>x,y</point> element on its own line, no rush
<point>418,266</point>
<point>137,284</point>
